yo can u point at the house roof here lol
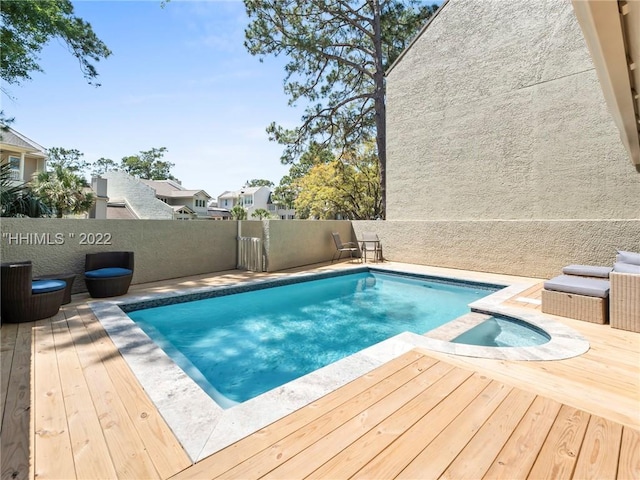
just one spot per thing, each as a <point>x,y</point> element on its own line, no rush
<point>241,191</point>
<point>186,208</point>
<point>12,138</point>
<point>119,211</point>
<point>170,188</point>
<point>612,32</point>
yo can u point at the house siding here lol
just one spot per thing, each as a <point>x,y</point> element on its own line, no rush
<point>495,114</point>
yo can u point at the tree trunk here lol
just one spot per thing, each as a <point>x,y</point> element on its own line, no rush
<point>380,107</point>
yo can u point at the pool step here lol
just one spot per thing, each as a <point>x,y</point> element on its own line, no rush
<point>452,329</point>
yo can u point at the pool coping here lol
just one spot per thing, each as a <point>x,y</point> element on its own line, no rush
<point>203,427</point>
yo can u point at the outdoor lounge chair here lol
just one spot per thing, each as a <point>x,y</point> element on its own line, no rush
<point>573,296</point>
<point>108,274</point>
<point>624,309</point>
<point>343,247</point>
<point>370,243</point>
<point>25,299</point>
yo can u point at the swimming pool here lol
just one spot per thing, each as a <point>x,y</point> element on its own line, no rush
<point>203,426</point>
<point>239,346</point>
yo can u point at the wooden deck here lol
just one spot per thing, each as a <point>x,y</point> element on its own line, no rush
<point>73,409</point>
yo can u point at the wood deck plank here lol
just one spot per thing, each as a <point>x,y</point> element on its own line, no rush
<point>8,336</point>
<point>521,450</point>
<point>165,452</point>
<point>629,462</point>
<point>411,442</point>
<point>604,384</point>
<point>600,450</point>
<point>53,454</point>
<point>333,443</point>
<point>16,399</point>
<point>476,457</point>
<point>390,390</point>
<point>357,455</point>
<point>558,456</point>
<point>91,455</point>
<point>438,455</point>
<point>129,456</point>
<point>228,457</point>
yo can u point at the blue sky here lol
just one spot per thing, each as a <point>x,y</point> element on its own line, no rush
<point>179,77</point>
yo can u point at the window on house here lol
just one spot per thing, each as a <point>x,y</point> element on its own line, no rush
<point>14,163</point>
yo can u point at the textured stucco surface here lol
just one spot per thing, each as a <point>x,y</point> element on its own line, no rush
<point>163,248</point>
<point>535,248</point>
<point>495,113</point>
<point>294,243</point>
<point>166,248</point>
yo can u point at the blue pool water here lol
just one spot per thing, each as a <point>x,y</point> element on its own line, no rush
<point>502,332</point>
<point>239,346</point>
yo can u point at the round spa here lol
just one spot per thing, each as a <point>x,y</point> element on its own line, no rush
<point>503,332</point>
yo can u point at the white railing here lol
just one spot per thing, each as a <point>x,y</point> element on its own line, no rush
<point>250,254</point>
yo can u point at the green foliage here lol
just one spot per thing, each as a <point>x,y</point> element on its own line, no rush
<point>148,165</point>
<point>338,52</point>
<point>70,159</point>
<point>347,189</point>
<point>260,214</point>
<point>259,182</point>
<point>29,25</point>
<point>287,191</point>
<point>16,199</point>
<point>238,213</point>
<point>63,191</point>
<point>103,165</point>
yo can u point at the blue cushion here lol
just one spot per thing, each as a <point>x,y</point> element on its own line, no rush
<point>108,272</point>
<point>45,286</point>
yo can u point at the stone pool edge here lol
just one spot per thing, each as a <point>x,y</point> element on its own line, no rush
<point>203,427</point>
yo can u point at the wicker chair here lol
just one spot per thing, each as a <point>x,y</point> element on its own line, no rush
<point>25,300</point>
<point>108,274</point>
<point>625,301</point>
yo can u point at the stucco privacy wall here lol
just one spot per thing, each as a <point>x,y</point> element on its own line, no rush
<point>294,243</point>
<point>163,248</point>
<point>532,248</point>
<point>496,113</point>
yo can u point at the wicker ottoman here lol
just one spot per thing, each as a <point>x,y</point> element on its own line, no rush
<point>585,299</point>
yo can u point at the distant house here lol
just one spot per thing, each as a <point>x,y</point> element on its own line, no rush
<point>252,199</point>
<point>184,201</point>
<point>131,197</point>
<point>25,156</point>
<point>281,211</point>
<point>217,213</point>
